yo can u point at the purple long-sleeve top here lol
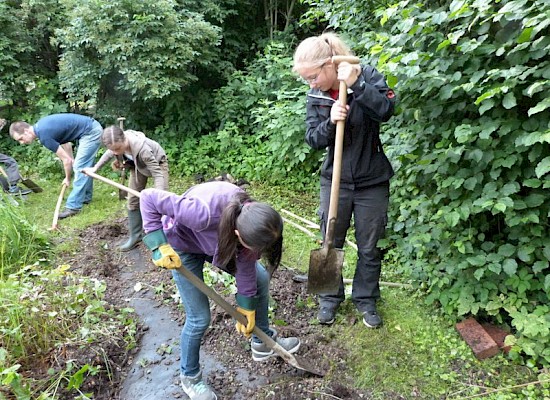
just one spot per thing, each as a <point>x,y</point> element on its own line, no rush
<point>190,222</point>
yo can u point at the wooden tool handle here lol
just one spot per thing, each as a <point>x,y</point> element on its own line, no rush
<point>58,206</point>
<point>350,59</point>
<point>112,183</point>
<point>338,149</point>
<point>121,122</point>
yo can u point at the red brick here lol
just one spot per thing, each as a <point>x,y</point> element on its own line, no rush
<point>481,343</point>
<point>498,335</point>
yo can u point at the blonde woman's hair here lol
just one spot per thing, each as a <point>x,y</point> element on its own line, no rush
<point>314,51</point>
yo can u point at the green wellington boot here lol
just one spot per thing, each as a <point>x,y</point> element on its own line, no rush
<point>136,230</point>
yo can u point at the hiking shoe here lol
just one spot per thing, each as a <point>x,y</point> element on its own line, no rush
<point>326,315</point>
<point>68,212</point>
<point>17,190</point>
<point>261,352</point>
<point>195,388</point>
<point>371,319</point>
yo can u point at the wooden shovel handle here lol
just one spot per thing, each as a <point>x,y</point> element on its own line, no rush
<point>338,149</point>
<point>58,206</point>
<point>112,183</point>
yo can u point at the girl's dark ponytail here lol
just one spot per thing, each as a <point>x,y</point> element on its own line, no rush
<point>260,227</point>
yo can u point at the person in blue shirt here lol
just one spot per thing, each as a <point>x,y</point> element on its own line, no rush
<point>57,132</point>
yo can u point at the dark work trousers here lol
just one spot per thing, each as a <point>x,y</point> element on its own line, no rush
<point>11,168</point>
<point>369,207</point>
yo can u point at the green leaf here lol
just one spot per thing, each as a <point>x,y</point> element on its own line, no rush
<point>486,105</point>
<point>509,101</point>
<point>525,35</point>
<point>470,183</point>
<point>488,94</point>
<point>506,250</point>
<point>478,274</point>
<point>543,167</point>
<point>541,106</point>
<point>534,200</point>
<point>443,44</point>
<point>539,266</point>
<point>477,261</point>
<point>532,183</point>
<point>524,253</point>
<point>510,266</point>
<point>495,267</point>
<point>452,218</point>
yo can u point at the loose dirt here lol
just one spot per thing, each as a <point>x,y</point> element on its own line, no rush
<point>151,370</point>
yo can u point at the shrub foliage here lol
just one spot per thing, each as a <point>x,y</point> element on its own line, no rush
<point>471,143</point>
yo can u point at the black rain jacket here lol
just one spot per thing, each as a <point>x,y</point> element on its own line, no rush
<point>364,163</point>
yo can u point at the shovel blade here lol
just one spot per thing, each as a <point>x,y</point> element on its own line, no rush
<point>325,271</point>
<point>31,185</point>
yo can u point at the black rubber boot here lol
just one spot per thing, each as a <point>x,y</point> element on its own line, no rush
<point>135,228</point>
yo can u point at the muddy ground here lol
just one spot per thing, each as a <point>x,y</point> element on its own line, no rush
<point>150,371</point>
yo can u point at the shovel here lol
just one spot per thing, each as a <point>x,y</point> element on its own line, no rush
<point>325,264</point>
<point>292,359</point>
<point>27,182</point>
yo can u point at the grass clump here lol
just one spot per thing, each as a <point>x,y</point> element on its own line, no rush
<point>48,314</point>
<point>21,243</point>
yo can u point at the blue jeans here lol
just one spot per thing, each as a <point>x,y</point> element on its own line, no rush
<point>88,145</point>
<point>197,309</point>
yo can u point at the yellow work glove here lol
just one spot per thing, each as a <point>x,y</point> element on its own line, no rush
<point>166,257</point>
<point>247,307</point>
<point>163,254</point>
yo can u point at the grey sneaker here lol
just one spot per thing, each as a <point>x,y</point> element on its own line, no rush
<point>195,388</point>
<point>260,351</point>
<point>68,212</point>
<point>326,315</point>
<point>371,319</point>
<point>14,189</point>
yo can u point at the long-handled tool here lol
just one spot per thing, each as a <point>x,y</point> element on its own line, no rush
<point>292,359</point>
<point>122,195</point>
<point>58,207</point>
<point>27,182</point>
<point>325,264</point>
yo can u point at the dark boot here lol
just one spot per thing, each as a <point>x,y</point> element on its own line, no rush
<point>135,228</point>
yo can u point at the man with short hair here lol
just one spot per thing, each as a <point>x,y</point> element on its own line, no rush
<point>57,132</point>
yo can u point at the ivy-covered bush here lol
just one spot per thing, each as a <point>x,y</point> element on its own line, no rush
<point>471,204</point>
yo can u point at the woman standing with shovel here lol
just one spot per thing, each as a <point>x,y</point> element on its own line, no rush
<point>145,158</point>
<point>365,169</point>
<point>216,222</point>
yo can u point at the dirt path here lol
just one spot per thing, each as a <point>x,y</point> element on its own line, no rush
<point>151,371</point>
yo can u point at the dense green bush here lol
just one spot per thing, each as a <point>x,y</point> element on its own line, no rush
<point>261,127</point>
<point>470,199</point>
<point>21,243</point>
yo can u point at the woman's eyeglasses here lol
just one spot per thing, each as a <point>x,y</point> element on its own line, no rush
<point>314,78</point>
